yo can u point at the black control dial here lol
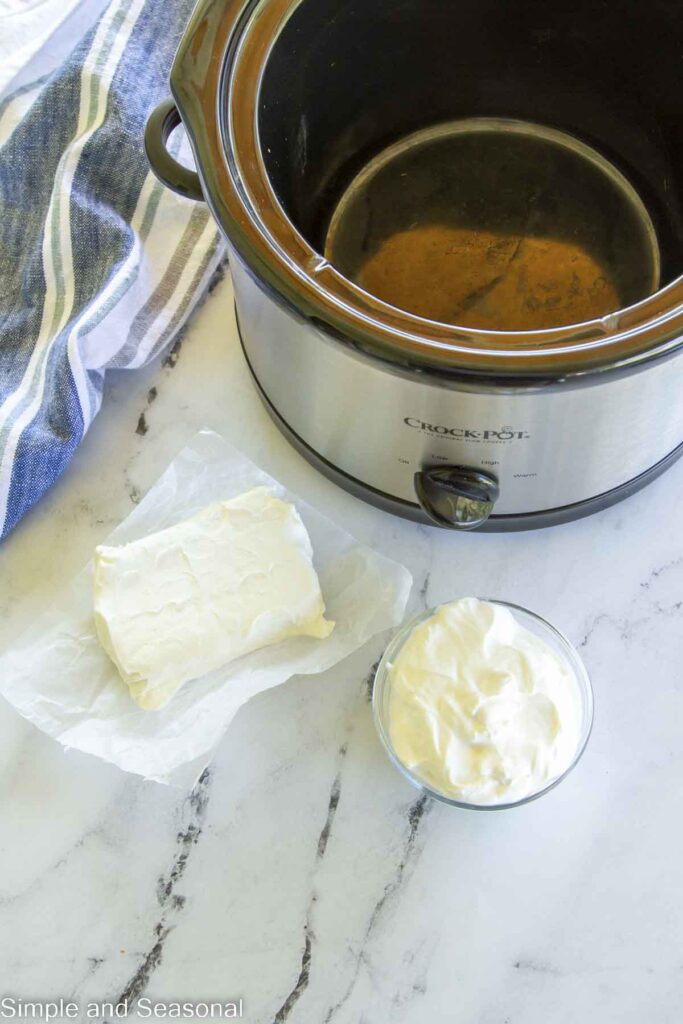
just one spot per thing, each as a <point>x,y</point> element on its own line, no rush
<point>457,497</point>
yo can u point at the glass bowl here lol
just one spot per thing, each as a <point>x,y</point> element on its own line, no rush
<point>535,624</point>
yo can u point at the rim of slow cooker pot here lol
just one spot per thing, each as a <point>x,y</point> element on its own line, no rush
<point>216,80</point>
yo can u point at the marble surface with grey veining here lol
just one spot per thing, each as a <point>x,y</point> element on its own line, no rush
<point>303,874</point>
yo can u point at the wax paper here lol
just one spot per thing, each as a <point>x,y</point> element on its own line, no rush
<point>58,676</point>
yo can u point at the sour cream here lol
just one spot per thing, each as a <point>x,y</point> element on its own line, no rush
<point>480,708</point>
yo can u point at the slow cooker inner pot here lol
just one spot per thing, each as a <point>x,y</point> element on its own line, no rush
<point>495,224</point>
<point>345,81</point>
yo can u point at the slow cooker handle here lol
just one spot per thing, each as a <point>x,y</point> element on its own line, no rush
<point>456,497</point>
<point>160,124</point>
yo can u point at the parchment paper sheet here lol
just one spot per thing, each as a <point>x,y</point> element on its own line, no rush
<point>58,676</point>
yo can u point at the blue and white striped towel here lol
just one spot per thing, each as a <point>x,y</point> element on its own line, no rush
<point>100,265</point>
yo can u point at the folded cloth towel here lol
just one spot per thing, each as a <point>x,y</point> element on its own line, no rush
<point>100,265</point>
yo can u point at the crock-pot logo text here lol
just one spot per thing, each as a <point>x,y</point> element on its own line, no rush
<point>466,433</point>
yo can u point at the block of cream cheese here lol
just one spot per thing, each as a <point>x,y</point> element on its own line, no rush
<point>235,577</point>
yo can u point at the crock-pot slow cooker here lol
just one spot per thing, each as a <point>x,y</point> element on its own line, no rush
<point>288,102</point>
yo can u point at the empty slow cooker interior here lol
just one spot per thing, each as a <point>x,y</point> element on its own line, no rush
<point>495,224</point>
<point>345,80</point>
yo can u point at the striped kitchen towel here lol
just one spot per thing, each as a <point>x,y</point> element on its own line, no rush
<point>100,265</point>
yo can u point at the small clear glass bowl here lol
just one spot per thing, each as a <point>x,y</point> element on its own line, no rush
<point>535,624</point>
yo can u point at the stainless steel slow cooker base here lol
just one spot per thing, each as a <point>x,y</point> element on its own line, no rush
<point>413,511</point>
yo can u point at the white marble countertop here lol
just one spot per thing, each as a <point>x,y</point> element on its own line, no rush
<point>304,875</point>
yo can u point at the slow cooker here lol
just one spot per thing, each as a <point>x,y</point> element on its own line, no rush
<point>398,113</point>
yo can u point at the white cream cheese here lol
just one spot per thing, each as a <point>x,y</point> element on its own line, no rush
<point>480,708</point>
<point>235,577</point>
